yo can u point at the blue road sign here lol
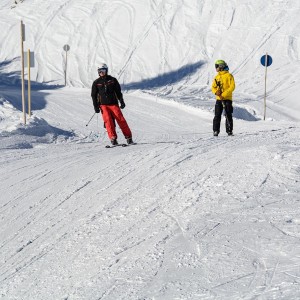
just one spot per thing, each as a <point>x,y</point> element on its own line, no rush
<point>263,60</point>
<point>66,47</point>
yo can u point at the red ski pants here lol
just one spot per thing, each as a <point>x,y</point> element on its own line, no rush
<point>111,112</point>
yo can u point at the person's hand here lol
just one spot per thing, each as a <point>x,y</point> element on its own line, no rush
<point>122,104</point>
<point>219,93</point>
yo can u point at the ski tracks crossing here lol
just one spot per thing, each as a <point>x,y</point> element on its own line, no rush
<point>195,214</point>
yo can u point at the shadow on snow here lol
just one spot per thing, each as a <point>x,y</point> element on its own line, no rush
<point>243,114</point>
<point>168,78</point>
<point>10,90</point>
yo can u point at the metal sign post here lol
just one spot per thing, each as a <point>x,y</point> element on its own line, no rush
<point>22,71</point>
<point>266,61</point>
<point>66,48</point>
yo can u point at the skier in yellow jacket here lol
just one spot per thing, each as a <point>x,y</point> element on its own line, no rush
<point>223,86</point>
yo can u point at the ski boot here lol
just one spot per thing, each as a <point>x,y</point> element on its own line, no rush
<point>114,141</point>
<point>129,140</point>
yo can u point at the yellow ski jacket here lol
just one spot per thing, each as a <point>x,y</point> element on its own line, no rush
<point>225,81</point>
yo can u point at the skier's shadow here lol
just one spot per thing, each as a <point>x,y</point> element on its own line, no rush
<point>168,78</point>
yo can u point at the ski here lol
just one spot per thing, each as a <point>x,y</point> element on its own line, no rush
<point>118,145</point>
<point>122,145</point>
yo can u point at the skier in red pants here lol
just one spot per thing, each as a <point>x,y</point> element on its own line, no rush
<point>106,92</point>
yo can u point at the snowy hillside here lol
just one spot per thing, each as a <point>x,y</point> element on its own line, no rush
<point>167,45</point>
<point>181,214</point>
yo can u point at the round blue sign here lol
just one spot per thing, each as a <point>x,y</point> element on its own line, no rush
<point>66,47</point>
<point>269,60</point>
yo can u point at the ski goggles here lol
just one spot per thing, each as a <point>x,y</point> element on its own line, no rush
<point>219,66</point>
<point>102,70</point>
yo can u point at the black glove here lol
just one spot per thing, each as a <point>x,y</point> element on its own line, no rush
<point>122,104</point>
<point>97,110</point>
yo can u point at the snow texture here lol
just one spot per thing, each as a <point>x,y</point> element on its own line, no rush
<point>181,214</point>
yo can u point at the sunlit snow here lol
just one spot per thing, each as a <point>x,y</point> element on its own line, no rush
<point>181,214</point>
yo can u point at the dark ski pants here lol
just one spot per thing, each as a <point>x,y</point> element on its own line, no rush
<point>220,104</point>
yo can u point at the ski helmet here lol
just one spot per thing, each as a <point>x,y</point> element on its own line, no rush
<point>220,64</point>
<point>102,67</point>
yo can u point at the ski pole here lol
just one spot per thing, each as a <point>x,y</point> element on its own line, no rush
<point>90,119</point>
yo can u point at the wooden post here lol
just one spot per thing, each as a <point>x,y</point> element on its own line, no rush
<point>22,73</point>
<point>265,98</point>
<point>29,83</point>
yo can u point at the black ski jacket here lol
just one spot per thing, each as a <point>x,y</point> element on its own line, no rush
<point>106,91</point>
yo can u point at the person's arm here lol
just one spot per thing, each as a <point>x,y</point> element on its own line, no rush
<point>94,95</point>
<point>119,94</point>
<point>214,86</point>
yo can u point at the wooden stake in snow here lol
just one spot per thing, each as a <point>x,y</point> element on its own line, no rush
<point>22,71</point>
<point>29,63</point>
<point>29,83</point>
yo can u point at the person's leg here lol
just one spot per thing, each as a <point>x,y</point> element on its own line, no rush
<point>229,120</point>
<point>108,119</point>
<point>121,121</point>
<point>218,115</point>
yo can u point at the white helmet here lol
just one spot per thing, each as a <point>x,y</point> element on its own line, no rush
<point>103,66</point>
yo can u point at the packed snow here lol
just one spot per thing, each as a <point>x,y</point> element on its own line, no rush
<point>181,214</point>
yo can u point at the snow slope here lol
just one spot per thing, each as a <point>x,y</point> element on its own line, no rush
<point>180,215</point>
<point>169,46</point>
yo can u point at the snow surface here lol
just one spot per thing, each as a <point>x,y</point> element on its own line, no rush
<point>181,214</point>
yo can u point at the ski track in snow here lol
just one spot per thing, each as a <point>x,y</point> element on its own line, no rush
<point>187,218</point>
<point>180,215</point>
